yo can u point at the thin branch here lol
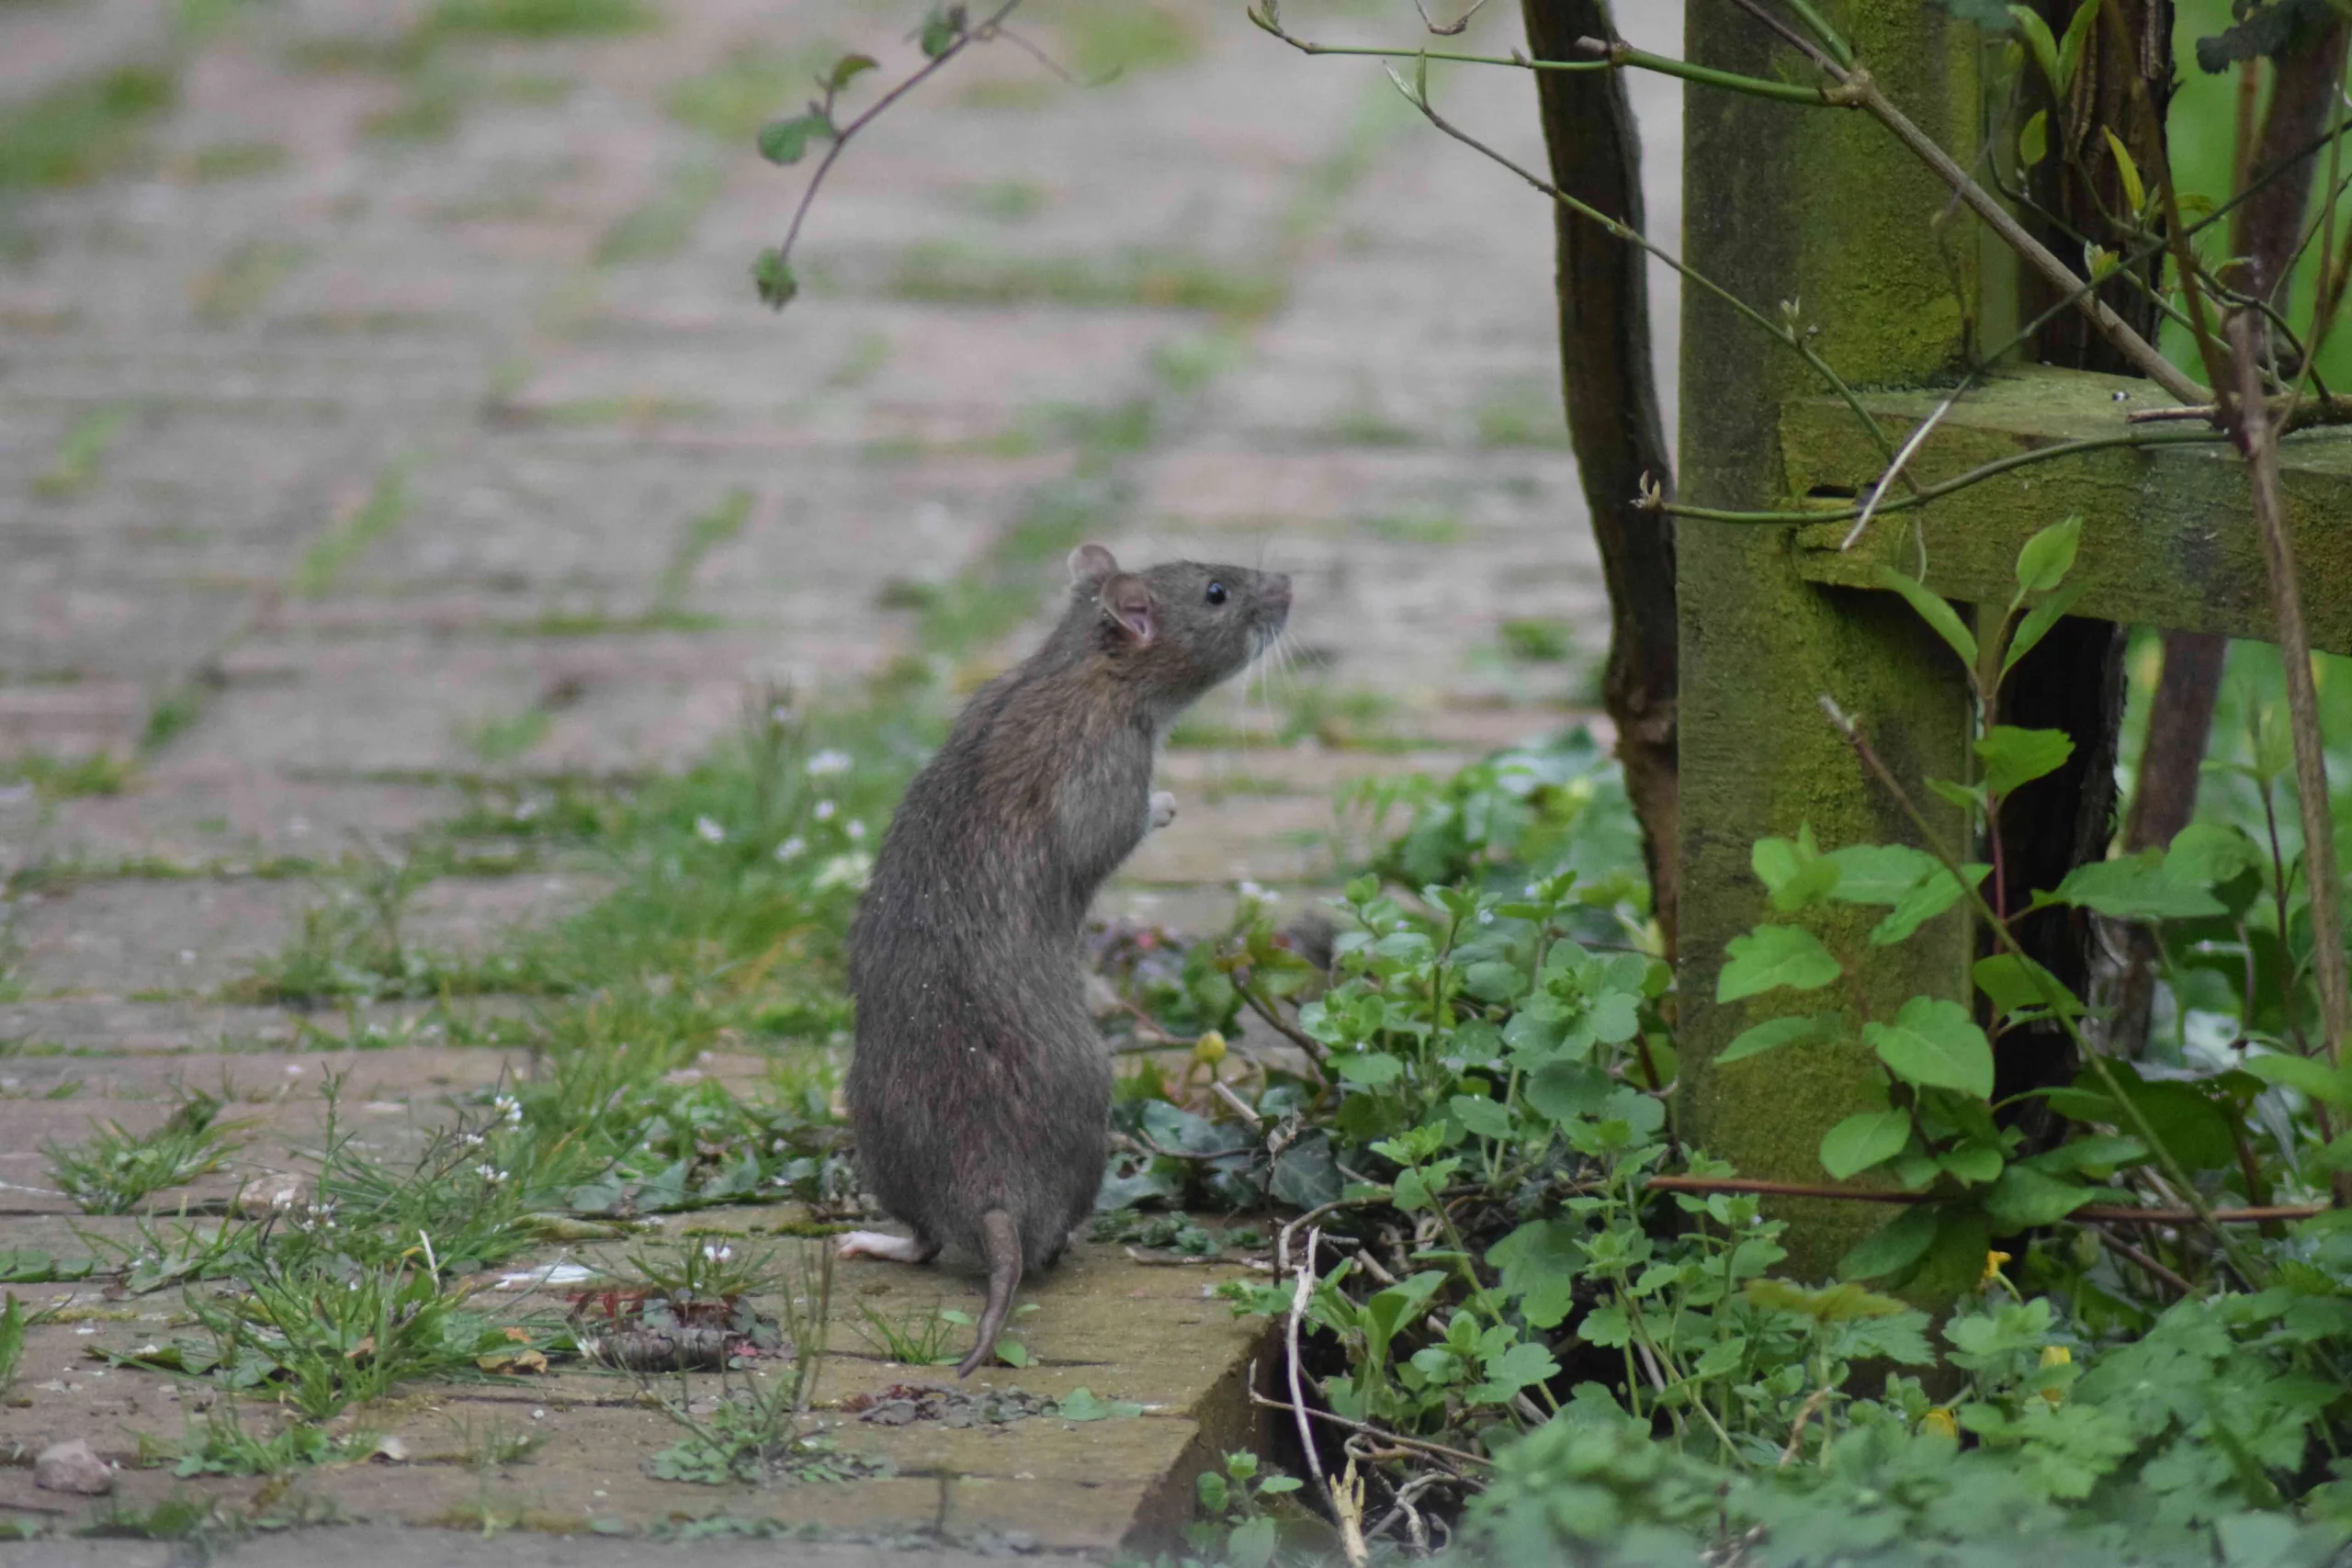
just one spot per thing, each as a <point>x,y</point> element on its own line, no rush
<point>1316,1052</point>
<point>2143,1262</point>
<point>1937,492</point>
<point>1402,1442</point>
<point>982,33</point>
<point>1782,333</point>
<point>2259,443</point>
<point>2284,412</point>
<point>1298,1300</point>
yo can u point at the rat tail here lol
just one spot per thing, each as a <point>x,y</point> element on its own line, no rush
<point>1002,1243</point>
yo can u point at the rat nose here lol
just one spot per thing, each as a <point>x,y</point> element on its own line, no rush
<point>1278,589</point>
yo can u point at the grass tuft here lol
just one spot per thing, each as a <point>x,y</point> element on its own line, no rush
<point>80,130</point>
<point>544,18</point>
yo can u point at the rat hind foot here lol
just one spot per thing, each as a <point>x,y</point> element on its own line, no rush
<point>889,1248</point>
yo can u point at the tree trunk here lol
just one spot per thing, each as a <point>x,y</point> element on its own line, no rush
<point>1613,422</point>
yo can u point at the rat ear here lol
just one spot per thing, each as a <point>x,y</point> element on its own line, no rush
<point>1127,602</point>
<point>1091,563</point>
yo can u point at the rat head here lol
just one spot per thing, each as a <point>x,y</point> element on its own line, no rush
<point>1179,628</point>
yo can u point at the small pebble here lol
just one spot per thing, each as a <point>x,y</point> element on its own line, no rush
<point>71,1467</point>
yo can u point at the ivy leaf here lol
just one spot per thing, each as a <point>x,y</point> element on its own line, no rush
<point>773,274</point>
<point>2037,621</point>
<point>1772,956</point>
<point>1481,1115</point>
<point>1515,1369</point>
<point>2015,757</point>
<point>1936,1043</point>
<point>1892,1247</point>
<point>2049,555</point>
<point>1933,608</point>
<point>1861,1141</point>
<point>1775,1032</point>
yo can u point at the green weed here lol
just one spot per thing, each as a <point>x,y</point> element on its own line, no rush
<point>920,1337</point>
<point>12,1340</point>
<point>950,273</point>
<point>543,19</point>
<point>244,280</point>
<point>1522,415</point>
<point>350,534</point>
<point>231,161</point>
<point>705,532</point>
<point>85,446</point>
<point>56,778</point>
<point>1538,640</point>
<point>1417,528</point>
<point>501,738</point>
<point>80,130</point>
<point>112,1170</point>
<point>662,224</point>
<point>1100,42</point>
<point>217,1444</point>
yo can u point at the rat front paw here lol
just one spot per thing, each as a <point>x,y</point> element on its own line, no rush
<point>1163,808</point>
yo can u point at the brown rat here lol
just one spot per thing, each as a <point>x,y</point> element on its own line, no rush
<point>980,1091</point>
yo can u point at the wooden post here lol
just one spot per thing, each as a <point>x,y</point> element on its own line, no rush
<point>1822,209</point>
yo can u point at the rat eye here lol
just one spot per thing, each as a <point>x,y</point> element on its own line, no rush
<point>1217,593</point>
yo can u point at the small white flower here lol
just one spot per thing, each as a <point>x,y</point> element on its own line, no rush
<point>717,1254</point>
<point>792,847</point>
<point>1251,890</point>
<point>708,832</point>
<point>825,763</point>
<point>490,1174</point>
<point>474,1140</point>
<point>856,830</point>
<point>824,812</point>
<point>846,871</point>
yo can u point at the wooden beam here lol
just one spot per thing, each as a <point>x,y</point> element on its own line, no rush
<point>2168,537</point>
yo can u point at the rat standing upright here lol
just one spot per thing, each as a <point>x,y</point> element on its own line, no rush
<point>981,1091</point>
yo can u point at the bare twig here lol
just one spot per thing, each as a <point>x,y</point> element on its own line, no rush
<point>1419,1445</point>
<point>1805,1412</point>
<point>1238,1105</point>
<point>1298,1300</point>
<point>2259,443</point>
<point>2143,1262</point>
<point>1316,1052</point>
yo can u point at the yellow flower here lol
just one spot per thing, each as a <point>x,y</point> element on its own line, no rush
<point>1941,1423</point>
<point>1209,1048</point>
<point>1992,1261</point>
<point>2055,1356</point>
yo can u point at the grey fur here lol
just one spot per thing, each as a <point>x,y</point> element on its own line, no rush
<point>980,1082</point>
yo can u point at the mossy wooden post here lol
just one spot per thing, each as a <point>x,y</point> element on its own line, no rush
<point>1822,209</point>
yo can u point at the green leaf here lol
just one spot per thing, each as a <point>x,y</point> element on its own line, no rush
<point>1481,1115</point>
<point>2204,853</point>
<point>2010,981</point>
<point>1892,1247</point>
<point>2070,48</point>
<point>1879,873</point>
<point>2037,621</point>
<point>1251,1544</point>
<point>2134,887</point>
<point>2033,140</point>
<point>848,68</point>
<point>1934,610</point>
<point>1973,1163</point>
<point>2047,558</point>
<point>774,277</point>
<point>2044,49</point>
<point>1863,1141</point>
<point>1771,957</point>
<point>1968,797</point>
<point>1369,1068</point>
<point>1936,1043</point>
<point>1795,871</point>
<point>942,30</point>
<point>1775,1032</point>
<point>2312,1079</point>
<point>1830,1303</point>
<point>2015,757</point>
<point>2025,1198</point>
<point>786,141</point>
<point>2134,191</point>
<point>1940,891</point>
<point>1081,1404</point>
<point>1515,1369</point>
